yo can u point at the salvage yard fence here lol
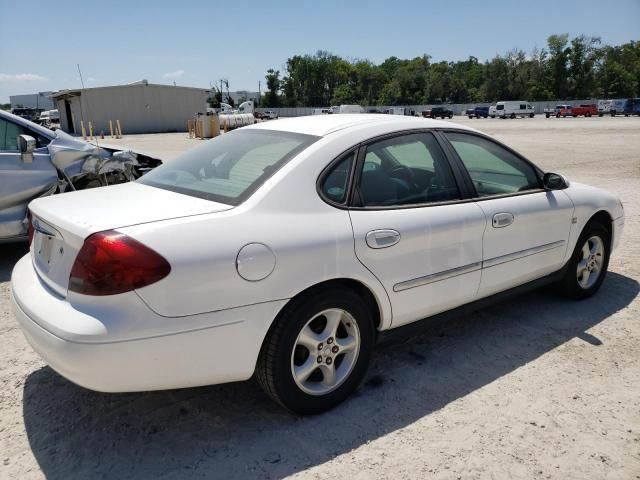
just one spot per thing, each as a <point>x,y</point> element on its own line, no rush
<point>458,108</point>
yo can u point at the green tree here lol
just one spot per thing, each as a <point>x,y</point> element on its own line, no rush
<point>215,100</point>
<point>558,64</point>
<point>567,68</point>
<point>583,55</point>
<point>271,97</point>
<point>343,94</point>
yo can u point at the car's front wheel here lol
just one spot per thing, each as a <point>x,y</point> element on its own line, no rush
<point>317,351</point>
<point>589,262</point>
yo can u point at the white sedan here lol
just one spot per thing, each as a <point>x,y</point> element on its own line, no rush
<point>283,250</point>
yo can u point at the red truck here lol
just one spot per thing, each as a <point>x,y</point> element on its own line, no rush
<point>586,110</point>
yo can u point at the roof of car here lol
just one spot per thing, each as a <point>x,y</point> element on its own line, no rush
<point>321,125</point>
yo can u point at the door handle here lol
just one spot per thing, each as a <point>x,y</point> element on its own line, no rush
<point>501,220</point>
<point>382,238</point>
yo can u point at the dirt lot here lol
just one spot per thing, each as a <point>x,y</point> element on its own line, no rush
<point>536,387</point>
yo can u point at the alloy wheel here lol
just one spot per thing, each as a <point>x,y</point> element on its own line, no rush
<point>591,262</point>
<point>325,351</point>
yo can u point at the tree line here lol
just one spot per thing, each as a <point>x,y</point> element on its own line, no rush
<point>577,68</point>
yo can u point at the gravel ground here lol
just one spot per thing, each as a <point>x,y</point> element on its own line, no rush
<point>535,387</point>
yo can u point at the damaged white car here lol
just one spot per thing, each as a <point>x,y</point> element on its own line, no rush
<point>36,162</point>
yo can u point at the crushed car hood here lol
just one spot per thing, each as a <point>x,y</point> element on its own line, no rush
<point>64,165</point>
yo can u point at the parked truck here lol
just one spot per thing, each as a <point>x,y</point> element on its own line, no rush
<point>585,109</point>
<point>549,112</point>
<point>604,107</point>
<point>438,112</point>
<point>477,112</point>
<point>626,107</point>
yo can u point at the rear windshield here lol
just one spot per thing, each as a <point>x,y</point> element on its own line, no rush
<point>229,168</point>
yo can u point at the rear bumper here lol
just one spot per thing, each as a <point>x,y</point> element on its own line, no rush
<point>221,353</point>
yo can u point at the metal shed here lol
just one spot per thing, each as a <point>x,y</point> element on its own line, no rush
<point>140,107</point>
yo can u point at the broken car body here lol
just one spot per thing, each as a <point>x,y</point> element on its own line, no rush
<point>36,162</point>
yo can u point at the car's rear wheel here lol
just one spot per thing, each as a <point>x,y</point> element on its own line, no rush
<point>317,351</point>
<point>589,262</point>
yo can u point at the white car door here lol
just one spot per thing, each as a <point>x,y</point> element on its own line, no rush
<point>527,227</point>
<point>412,228</point>
<point>20,181</point>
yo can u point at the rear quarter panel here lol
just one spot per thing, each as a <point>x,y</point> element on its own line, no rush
<point>312,242</point>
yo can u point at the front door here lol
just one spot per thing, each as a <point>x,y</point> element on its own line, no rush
<point>527,227</point>
<point>411,229</point>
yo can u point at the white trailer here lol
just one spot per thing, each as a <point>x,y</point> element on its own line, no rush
<point>514,108</point>
<point>347,109</point>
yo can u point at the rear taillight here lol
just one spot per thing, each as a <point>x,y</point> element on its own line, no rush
<point>110,262</point>
<point>30,227</point>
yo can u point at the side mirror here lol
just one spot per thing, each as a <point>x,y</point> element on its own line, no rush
<point>26,145</point>
<point>554,181</point>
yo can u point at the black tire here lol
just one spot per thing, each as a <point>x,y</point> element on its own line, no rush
<point>569,285</point>
<point>513,115</point>
<point>547,115</point>
<point>273,370</point>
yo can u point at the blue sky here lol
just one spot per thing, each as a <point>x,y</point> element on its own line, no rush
<point>194,42</point>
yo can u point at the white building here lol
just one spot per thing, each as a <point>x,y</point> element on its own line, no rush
<point>39,100</point>
<point>140,107</point>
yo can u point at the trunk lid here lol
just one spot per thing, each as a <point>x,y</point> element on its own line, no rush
<point>62,222</point>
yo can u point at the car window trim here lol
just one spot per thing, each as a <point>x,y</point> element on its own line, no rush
<point>454,154</point>
<point>326,171</point>
<point>362,147</point>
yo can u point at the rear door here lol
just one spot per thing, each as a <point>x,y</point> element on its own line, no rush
<point>412,227</point>
<point>21,181</point>
<point>527,227</point>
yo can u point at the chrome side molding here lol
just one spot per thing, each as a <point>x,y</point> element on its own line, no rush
<point>436,277</point>
<point>492,262</point>
<point>472,267</point>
